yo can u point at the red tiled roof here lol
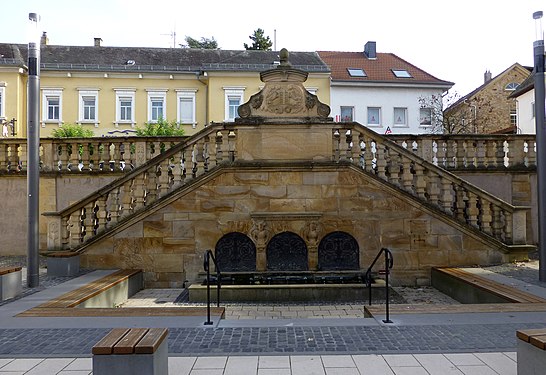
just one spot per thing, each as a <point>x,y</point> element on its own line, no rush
<point>377,70</point>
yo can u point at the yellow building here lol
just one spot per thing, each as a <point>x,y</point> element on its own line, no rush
<point>114,90</point>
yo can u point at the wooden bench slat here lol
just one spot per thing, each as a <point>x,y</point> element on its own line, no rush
<point>128,342</point>
<point>122,312</point>
<point>151,341</point>
<point>6,270</point>
<point>505,291</point>
<point>525,334</point>
<point>539,341</point>
<point>106,344</point>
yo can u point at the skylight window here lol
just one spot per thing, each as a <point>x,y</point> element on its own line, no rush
<point>401,73</point>
<point>356,72</point>
<point>512,86</point>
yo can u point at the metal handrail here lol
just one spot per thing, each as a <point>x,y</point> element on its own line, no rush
<point>368,279</point>
<point>206,265</point>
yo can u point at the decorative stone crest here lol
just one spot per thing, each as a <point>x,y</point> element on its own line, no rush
<point>283,98</point>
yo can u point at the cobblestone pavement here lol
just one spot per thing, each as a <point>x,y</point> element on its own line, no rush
<point>280,340</point>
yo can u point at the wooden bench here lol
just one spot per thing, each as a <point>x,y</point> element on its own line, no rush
<point>136,351</point>
<point>11,283</point>
<point>375,311</point>
<point>83,296</point>
<point>62,263</point>
<point>467,287</point>
<point>531,351</point>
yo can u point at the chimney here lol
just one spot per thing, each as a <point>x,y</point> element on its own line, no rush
<point>487,76</point>
<point>369,50</point>
<point>98,42</point>
<point>44,40</point>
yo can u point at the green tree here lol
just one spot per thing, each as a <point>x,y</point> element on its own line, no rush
<point>259,41</point>
<point>72,131</point>
<point>161,128</point>
<point>203,43</point>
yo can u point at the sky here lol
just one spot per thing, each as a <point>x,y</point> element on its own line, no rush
<point>455,41</point>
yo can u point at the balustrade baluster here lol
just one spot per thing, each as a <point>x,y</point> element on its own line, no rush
<point>89,221</point>
<point>356,150</point>
<point>472,210</point>
<point>127,199</point>
<point>407,176</point>
<point>219,148</point>
<point>460,154</point>
<point>22,157</point>
<point>460,204</point>
<point>441,148</point>
<point>433,188</point>
<point>116,156</point>
<point>197,160</point>
<point>490,154</point>
<point>74,164</point>
<point>113,207</point>
<point>75,228</point>
<point>85,156</point>
<point>531,160</point>
<point>486,216</point>
<point>101,214</point>
<point>139,190</point>
<point>447,195</point>
<point>499,154</point>
<point>498,224</point>
<point>368,155</point>
<point>480,154</point>
<point>176,170</point>
<point>381,160</point>
<point>149,186</point>
<point>420,181</point>
<point>4,160</point>
<point>163,179</point>
<point>508,227</point>
<point>394,167</point>
<point>211,153</point>
<point>451,152</point>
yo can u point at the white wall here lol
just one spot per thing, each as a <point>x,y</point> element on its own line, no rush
<point>387,99</point>
<point>526,117</point>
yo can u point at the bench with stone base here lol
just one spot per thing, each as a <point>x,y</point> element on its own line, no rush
<point>135,351</point>
<point>10,282</point>
<point>531,351</point>
<point>62,263</point>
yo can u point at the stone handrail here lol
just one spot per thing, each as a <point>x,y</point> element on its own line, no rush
<point>473,151</point>
<point>434,186</point>
<point>82,155</point>
<point>140,188</point>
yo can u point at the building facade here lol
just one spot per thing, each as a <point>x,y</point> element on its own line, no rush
<point>382,91</point>
<point>114,90</point>
<point>489,108</point>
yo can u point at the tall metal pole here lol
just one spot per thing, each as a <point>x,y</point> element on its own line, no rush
<point>538,48</point>
<point>33,148</point>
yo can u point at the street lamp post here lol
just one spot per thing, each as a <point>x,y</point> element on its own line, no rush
<point>33,149</point>
<point>538,49</point>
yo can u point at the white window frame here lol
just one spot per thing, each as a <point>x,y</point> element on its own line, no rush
<point>347,107</point>
<point>187,95</point>
<point>88,93</point>
<point>379,121</point>
<point>48,94</point>
<point>232,93</point>
<point>421,124</point>
<point>153,95</point>
<point>395,122</point>
<point>125,94</point>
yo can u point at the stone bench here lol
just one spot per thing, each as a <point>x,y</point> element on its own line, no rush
<point>531,351</point>
<point>62,263</point>
<point>135,351</point>
<point>11,284</point>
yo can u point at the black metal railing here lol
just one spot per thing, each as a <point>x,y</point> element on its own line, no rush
<point>206,265</point>
<point>368,279</point>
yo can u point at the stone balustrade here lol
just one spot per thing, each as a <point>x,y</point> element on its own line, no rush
<point>122,154</point>
<point>140,188</point>
<point>435,186</point>
<point>351,143</point>
<point>83,155</point>
<point>473,151</point>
